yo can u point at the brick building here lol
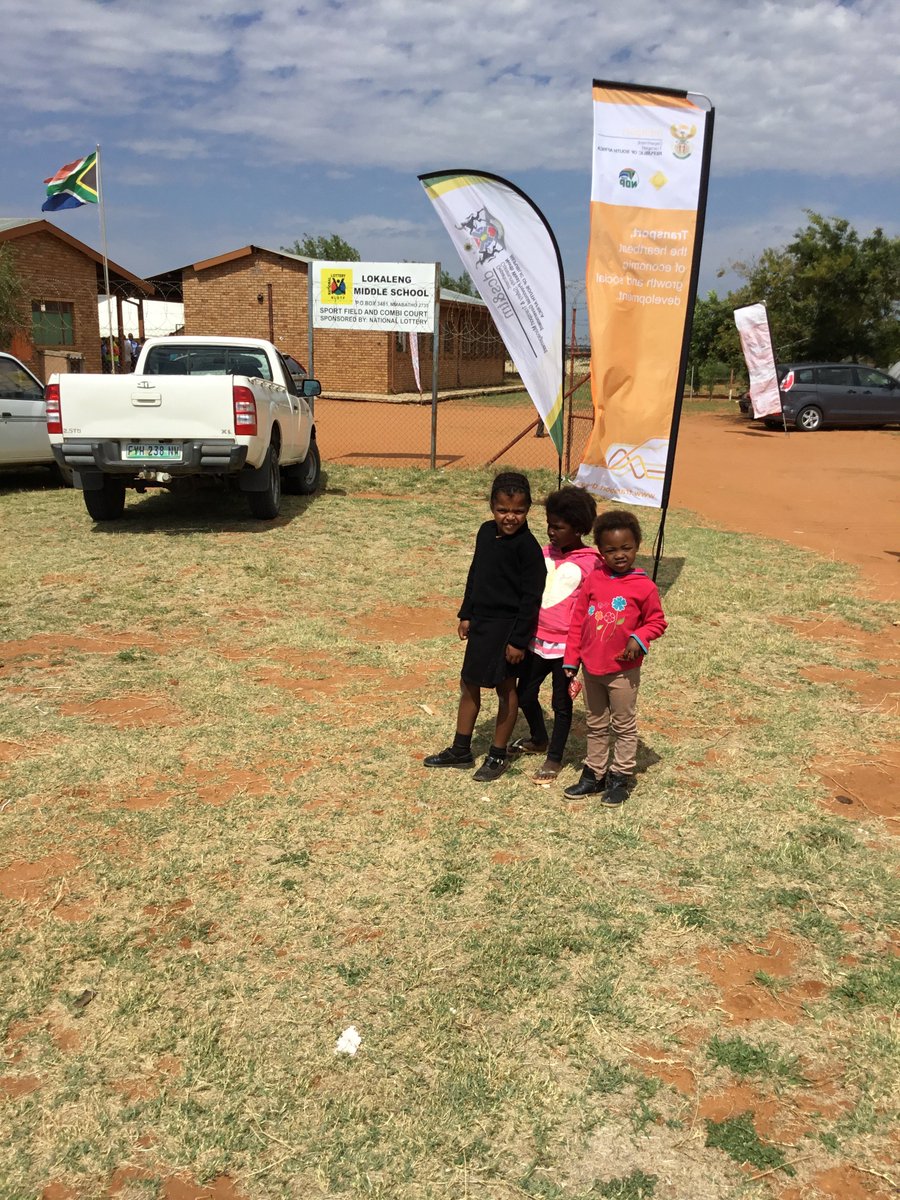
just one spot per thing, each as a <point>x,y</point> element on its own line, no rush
<point>255,292</point>
<point>61,279</point>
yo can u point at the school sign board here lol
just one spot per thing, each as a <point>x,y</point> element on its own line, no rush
<point>382,296</point>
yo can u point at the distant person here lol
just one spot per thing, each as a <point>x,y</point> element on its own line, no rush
<point>105,360</point>
<point>125,355</point>
<point>616,617</point>
<point>135,347</point>
<point>571,513</point>
<point>497,620</point>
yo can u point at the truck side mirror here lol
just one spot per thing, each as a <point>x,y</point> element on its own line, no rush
<point>312,387</point>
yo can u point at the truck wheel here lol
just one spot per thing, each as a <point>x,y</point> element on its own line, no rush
<point>106,503</point>
<point>302,479</point>
<point>62,475</point>
<point>265,505</point>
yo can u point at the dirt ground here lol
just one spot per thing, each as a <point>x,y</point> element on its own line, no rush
<point>834,492</point>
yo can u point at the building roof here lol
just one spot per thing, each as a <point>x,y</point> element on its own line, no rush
<point>169,283</point>
<point>121,281</point>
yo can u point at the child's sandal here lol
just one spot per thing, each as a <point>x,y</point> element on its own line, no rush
<point>527,746</point>
<point>548,771</point>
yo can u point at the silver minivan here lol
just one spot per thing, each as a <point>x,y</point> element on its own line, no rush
<point>815,395</point>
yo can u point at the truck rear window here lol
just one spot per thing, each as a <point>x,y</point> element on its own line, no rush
<point>184,359</point>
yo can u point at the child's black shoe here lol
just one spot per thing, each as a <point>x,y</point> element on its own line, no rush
<point>492,768</point>
<point>588,785</point>
<point>616,790</point>
<point>451,757</point>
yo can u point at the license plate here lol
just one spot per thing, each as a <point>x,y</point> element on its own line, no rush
<point>152,451</point>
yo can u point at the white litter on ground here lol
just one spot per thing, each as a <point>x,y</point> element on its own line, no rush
<point>349,1041</point>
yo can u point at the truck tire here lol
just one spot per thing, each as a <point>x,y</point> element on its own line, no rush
<point>62,475</point>
<point>302,479</point>
<point>106,503</point>
<point>265,505</point>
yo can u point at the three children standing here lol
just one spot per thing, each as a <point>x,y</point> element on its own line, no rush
<point>527,614</point>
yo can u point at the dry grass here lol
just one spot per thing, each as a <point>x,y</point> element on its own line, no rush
<point>196,901</point>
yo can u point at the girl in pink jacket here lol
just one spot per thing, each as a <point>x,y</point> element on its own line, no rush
<point>616,617</point>
<point>571,513</point>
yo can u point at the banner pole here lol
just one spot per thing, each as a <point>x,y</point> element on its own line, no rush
<point>772,344</point>
<point>570,423</point>
<point>658,544</point>
<point>435,362</point>
<point>692,299</point>
<point>310,339</point>
<point>101,212</point>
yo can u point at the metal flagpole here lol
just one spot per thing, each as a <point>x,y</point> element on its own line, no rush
<point>102,215</point>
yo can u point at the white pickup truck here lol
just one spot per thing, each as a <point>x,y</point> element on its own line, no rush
<point>195,406</point>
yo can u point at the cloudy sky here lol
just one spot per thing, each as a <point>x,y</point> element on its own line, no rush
<point>224,122</point>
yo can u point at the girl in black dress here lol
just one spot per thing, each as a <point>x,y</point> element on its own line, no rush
<point>497,620</point>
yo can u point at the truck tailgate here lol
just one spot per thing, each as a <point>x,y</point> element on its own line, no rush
<point>146,407</point>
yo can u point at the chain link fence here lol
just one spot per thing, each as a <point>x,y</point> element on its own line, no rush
<point>466,428</point>
<point>480,427</point>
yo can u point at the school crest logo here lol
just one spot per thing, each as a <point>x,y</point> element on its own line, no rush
<point>486,233</point>
<point>682,135</point>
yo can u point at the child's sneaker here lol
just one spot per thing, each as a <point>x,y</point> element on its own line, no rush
<point>616,790</point>
<point>451,757</point>
<point>492,768</point>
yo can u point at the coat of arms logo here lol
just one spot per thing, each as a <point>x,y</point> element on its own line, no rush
<point>486,233</point>
<point>682,135</point>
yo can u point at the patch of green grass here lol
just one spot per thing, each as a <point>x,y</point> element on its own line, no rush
<point>295,858</point>
<point>748,1058</point>
<point>878,984</point>
<point>737,1137</point>
<point>606,1078</point>
<point>693,916</point>
<point>636,1186</point>
<point>449,884</point>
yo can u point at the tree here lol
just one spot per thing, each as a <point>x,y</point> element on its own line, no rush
<point>830,294</point>
<point>714,338</point>
<point>12,293</point>
<point>331,249</point>
<point>462,284</point>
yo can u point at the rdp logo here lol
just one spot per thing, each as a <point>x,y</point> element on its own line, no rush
<point>628,178</point>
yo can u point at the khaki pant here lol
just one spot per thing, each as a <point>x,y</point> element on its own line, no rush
<point>612,705</point>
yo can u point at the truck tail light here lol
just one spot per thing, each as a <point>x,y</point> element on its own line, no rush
<point>244,411</point>
<point>54,411</point>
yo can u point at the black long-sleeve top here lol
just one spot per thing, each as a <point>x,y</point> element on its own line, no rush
<point>506,579</point>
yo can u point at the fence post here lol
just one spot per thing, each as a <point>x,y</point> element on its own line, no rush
<point>435,362</point>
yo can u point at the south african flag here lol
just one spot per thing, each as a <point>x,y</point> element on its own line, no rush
<point>72,185</point>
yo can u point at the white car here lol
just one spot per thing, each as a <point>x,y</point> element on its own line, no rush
<point>23,417</point>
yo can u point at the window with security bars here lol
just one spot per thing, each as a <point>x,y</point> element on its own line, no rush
<point>53,323</point>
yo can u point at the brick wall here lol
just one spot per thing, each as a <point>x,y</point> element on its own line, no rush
<point>51,270</point>
<point>225,300</point>
<point>472,354</point>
